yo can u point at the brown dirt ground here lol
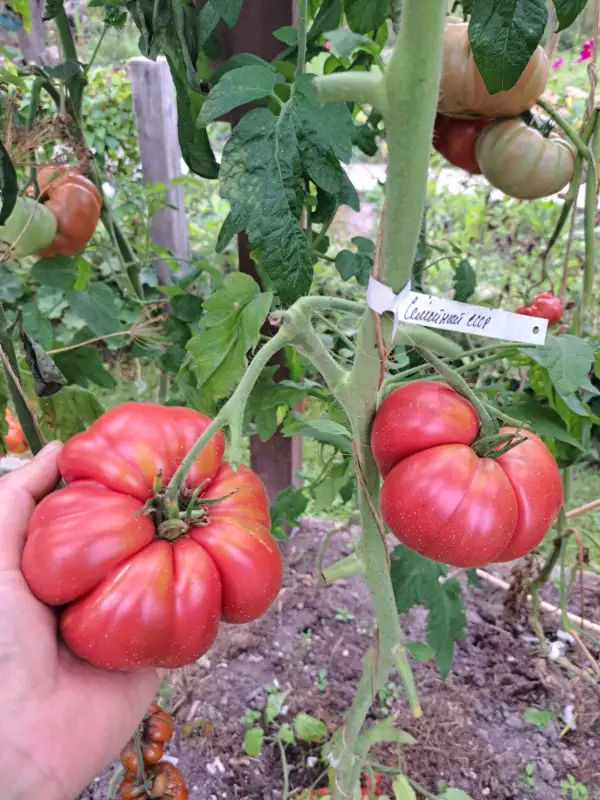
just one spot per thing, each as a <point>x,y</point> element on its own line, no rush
<point>473,733</point>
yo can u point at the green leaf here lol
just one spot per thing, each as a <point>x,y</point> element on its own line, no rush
<point>543,420</point>
<point>473,578</point>
<point>402,789</point>
<point>414,578</point>
<point>186,307</point>
<point>253,742</point>
<point>365,15</point>
<point>262,170</point>
<point>70,411</point>
<point>328,17</point>
<point>195,145</point>
<point>261,179</point>
<point>287,35</point>
<point>421,651</point>
<point>242,85</point>
<point>364,137</point>
<point>344,43</point>
<point>454,794</point>
<point>83,366</point>
<point>538,718</point>
<point>97,307</point>
<point>59,272</point>
<point>51,9</point>
<point>286,509</point>
<point>228,10</point>
<point>326,431</point>
<point>230,326</point>
<point>310,729</point>
<point>504,35</point>
<point>465,281</point>
<point>446,622</point>
<point>567,11</point>
<point>356,265</point>
<point>65,72</point>
<point>10,285</point>
<point>47,377</point>
<point>275,702</point>
<point>265,400</point>
<point>37,325</point>
<point>9,188</point>
<point>568,360</point>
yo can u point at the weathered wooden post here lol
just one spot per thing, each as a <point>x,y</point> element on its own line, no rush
<point>156,121</point>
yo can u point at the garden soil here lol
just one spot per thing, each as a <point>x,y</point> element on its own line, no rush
<point>473,734</point>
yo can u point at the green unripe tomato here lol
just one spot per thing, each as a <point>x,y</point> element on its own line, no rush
<point>34,221</point>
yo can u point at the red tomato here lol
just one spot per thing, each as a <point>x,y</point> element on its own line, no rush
<point>168,782</point>
<point>455,139</point>
<point>419,415</point>
<point>546,306</point>
<point>15,438</point>
<point>159,727</point>
<point>452,506</point>
<point>134,599</point>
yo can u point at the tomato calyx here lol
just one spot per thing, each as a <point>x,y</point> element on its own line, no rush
<point>495,446</point>
<point>173,520</point>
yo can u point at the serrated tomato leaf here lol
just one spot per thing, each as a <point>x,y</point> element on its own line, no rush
<point>504,35</point>
<point>446,622</point>
<point>229,327</point>
<point>239,86</point>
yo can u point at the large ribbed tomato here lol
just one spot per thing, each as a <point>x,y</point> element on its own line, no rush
<point>75,203</point>
<point>521,162</point>
<point>463,92</point>
<point>446,502</point>
<point>138,593</point>
<point>455,139</point>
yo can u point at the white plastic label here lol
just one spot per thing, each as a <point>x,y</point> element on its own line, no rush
<point>450,315</point>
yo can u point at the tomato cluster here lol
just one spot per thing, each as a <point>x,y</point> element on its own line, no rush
<point>545,305</point>
<point>443,500</point>
<point>481,132</point>
<point>15,438</point>
<point>75,203</point>
<point>114,553</point>
<point>153,778</point>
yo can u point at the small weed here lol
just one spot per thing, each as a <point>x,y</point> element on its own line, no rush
<point>528,777</point>
<point>343,615</point>
<point>306,637</point>
<point>387,696</point>
<point>322,680</point>
<point>573,790</point>
<point>539,718</point>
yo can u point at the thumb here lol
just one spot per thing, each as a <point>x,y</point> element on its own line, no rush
<point>20,491</point>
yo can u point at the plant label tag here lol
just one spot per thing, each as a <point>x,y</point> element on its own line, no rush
<point>414,308</point>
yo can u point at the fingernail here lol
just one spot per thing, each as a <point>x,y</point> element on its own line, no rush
<point>49,449</point>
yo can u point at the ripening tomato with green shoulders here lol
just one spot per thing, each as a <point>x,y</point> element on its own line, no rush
<point>443,500</point>
<point>144,585</point>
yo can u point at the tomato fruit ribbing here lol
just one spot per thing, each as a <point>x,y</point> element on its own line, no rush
<point>138,590</point>
<point>443,500</point>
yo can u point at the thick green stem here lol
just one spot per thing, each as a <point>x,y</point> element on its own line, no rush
<point>344,568</point>
<point>591,203</point>
<point>412,83</point>
<point>13,374</point>
<point>76,84</point>
<point>363,88</point>
<point>302,30</point>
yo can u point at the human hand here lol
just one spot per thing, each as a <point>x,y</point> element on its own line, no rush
<point>61,720</point>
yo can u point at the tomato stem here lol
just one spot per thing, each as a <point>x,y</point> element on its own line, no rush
<point>344,568</point>
<point>568,129</point>
<point>362,88</point>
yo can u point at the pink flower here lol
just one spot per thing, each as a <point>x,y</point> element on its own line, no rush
<point>327,45</point>
<point>557,64</point>
<point>587,51</point>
